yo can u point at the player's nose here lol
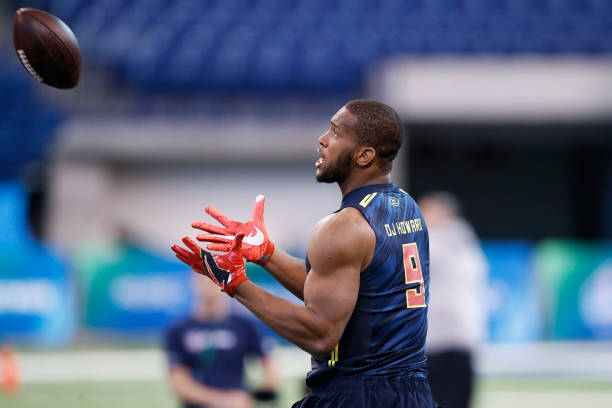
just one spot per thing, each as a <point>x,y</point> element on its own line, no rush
<point>323,139</point>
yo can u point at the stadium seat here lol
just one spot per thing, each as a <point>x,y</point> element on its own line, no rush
<point>238,49</point>
<point>24,121</point>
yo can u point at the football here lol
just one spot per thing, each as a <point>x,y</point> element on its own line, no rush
<point>47,48</point>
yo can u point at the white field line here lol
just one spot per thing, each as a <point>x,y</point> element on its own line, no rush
<point>592,361</point>
<point>587,359</point>
<point>539,398</point>
<point>125,365</point>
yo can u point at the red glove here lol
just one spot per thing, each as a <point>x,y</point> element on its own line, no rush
<point>226,270</point>
<point>193,258</point>
<point>256,246</point>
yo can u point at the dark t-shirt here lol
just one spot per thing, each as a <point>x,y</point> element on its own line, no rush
<point>214,352</point>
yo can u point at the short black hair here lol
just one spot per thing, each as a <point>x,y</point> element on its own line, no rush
<point>379,126</point>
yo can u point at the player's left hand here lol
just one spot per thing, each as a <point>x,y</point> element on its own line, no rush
<point>226,270</point>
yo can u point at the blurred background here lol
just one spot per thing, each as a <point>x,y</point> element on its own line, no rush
<point>187,103</point>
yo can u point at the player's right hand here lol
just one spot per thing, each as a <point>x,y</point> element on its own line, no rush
<point>256,246</point>
<point>193,258</point>
<point>225,270</point>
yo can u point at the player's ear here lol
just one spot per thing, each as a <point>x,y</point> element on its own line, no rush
<point>365,156</point>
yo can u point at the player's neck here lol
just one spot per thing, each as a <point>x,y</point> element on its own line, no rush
<point>360,179</point>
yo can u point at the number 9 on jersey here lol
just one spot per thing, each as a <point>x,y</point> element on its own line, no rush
<point>415,297</point>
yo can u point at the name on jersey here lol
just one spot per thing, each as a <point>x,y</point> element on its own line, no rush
<point>404,227</point>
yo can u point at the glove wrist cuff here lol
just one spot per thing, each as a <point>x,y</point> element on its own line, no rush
<point>232,287</point>
<point>266,255</point>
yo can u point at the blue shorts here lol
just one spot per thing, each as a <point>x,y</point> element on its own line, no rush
<point>371,392</point>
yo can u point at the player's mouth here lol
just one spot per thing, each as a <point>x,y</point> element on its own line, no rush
<point>321,159</point>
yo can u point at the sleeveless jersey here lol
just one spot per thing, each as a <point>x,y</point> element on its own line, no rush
<point>385,335</point>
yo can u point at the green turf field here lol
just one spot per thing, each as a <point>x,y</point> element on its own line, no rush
<point>496,393</point>
<point>541,392</point>
<point>132,394</point>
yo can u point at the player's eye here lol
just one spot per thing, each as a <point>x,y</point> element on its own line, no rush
<point>335,132</point>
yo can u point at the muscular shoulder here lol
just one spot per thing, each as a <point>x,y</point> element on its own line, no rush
<point>342,237</point>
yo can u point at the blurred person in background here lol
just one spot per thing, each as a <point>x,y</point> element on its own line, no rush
<point>365,279</point>
<point>456,314</point>
<point>206,353</point>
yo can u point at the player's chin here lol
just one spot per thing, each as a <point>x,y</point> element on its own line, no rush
<point>323,177</point>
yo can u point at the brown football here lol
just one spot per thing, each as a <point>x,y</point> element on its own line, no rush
<point>47,48</point>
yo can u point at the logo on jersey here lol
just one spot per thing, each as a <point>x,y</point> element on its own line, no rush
<point>394,201</point>
<point>199,340</point>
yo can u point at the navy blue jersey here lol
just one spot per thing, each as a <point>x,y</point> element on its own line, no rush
<point>385,335</point>
<point>213,352</point>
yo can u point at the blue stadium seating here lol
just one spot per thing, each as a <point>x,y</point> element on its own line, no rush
<point>313,45</point>
<point>26,126</point>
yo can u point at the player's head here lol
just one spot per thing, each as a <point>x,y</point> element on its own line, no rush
<point>363,134</point>
<point>379,126</point>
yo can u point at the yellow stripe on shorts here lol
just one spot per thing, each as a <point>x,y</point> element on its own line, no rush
<point>334,357</point>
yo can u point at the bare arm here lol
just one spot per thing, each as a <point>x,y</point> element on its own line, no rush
<point>340,247</point>
<point>187,389</point>
<point>288,270</point>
